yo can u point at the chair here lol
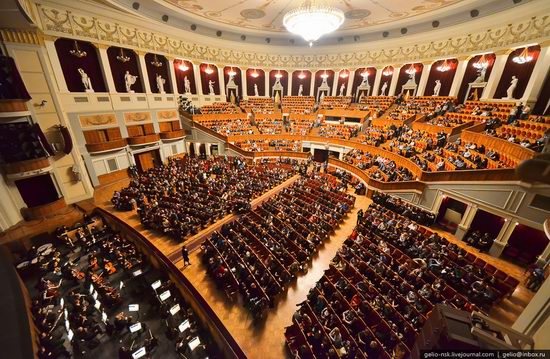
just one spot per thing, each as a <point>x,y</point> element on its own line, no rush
<point>500,275</point>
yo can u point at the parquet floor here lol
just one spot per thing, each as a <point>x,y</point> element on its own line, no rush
<point>266,340</point>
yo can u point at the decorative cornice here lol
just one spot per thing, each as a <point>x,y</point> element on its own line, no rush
<point>85,26</point>
<point>30,37</point>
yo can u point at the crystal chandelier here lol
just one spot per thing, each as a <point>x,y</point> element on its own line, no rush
<point>482,63</point>
<point>366,74</point>
<point>77,52</point>
<point>324,75</point>
<point>411,70</point>
<point>156,61</point>
<point>208,70</point>
<point>183,66</point>
<point>231,72</point>
<point>278,75</point>
<point>302,76</point>
<point>523,57</point>
<point>313,20</point>
<point>255,74</point>
<point>387,71</point>
<point>122,58</point>
<point>344,74</point>
<point>444,67</point>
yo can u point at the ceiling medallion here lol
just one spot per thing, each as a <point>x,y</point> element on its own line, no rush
<point>523,58</point>
<point>444,67</point>
<point>77,52</point>
<point>312,20</point>
<point>482,63</point>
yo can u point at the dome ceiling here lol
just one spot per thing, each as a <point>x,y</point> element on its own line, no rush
<point>267,15</point>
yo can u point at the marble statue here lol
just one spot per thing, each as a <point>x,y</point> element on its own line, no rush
<point>300,90</point>
<point>187,85</point>
<point>342,89</point>
<point>211,87</point>
<point>437,88</point>
<point>160,84</point>
<point>129,80</point>
<point>364,83</point>
<point>86,81</point>
<point>481,75</point>
<point>383,89</point>
<point>256,90</point>
<point>511,88</point>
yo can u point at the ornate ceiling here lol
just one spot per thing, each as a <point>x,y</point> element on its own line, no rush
<point>267,15</point>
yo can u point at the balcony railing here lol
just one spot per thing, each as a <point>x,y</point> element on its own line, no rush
<point>106,146</point>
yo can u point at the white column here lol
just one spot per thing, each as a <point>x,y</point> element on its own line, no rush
<point>459,75</point>
<point>197,76</point>
<point>207,147</point>
<point>56,65</point>
<point>466,221</point>
<point>267,90</point>
<point>290,73</point>
<point>534,318</point>
<point>393,83</point>
<point>503,236</point>
<point>538,76</point>
<point>377,79</point>
<point>172,75</point>
<point>243,83</point>
<point>423,79</point>
<point>544,256</point>
<point>349,88</point>
<point>221,80</point>
<point>494,78</point>
<point>106,67</point>
<point>311,87</point>
<point>143,72</point>
<point>335,83</point>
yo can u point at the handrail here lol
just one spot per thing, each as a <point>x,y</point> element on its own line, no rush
<point>210,320</point>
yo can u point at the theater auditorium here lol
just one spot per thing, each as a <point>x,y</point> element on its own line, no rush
<point>273,179</point>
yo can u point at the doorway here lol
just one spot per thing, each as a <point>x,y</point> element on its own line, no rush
<point>147,160</point>
<point>320,155</point>
<point>37,190</point>
<point>450,214</point>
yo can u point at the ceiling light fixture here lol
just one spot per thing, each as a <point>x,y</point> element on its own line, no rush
<point>231,72</point>
<point>156,62</point>
<point>208,70</point>
<point>183,66</point>
<point>312,20</point>
<point>388,71</point>
<point>411,70</point>
<point>366,74</point>
<point>278,75</point>
<point>77,52</point>
<point>302,76</point>
<point>444,67</point>
<point>523,58</point>
<point>324,75</point>
<point>255,74</point>
<point>482,63</point>
<point>122,58</point>
<point>344,74</point>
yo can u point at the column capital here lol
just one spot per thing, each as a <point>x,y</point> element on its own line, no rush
<point>140,53</point>
<point>47,37</point>
<point>504,52</point>
<point>101,46</point>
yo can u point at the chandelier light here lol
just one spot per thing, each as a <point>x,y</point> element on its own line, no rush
<point>231,72</point>
<point>388,71</point>
<point>302,76</point>
<point>77,52</point>
<point>482,63</point>
<point>444,67</point>
<point>183,66</point>
<point>122,58</point>
<point>324,75</point>
<point>523,58</point>
<point>255,74</point>
<point>278,75</point>
<point>366,74</point>
<point>312,20</point>
<point>344,74</point>
<point>411,70</point>
<point>208,70</point>
<point>156,62</point>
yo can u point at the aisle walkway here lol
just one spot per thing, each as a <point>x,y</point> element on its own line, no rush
<point>266,340</point>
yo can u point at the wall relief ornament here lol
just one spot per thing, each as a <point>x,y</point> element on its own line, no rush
<point>132,118</point>
<point>57,22</point>
<point>107,119</point>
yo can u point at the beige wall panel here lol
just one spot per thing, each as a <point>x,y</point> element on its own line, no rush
<point>35,82</point>
<point>48,107</point>
<point>73,189</point>
<point>47,120</point>
<point>27,61</point>
<point>64,161</point>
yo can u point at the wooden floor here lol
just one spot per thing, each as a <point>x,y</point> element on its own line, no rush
<point>266,340</point>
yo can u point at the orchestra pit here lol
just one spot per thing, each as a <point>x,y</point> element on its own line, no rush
<point>310,179</point>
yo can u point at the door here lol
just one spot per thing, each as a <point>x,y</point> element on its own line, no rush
<point>147,160</point>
